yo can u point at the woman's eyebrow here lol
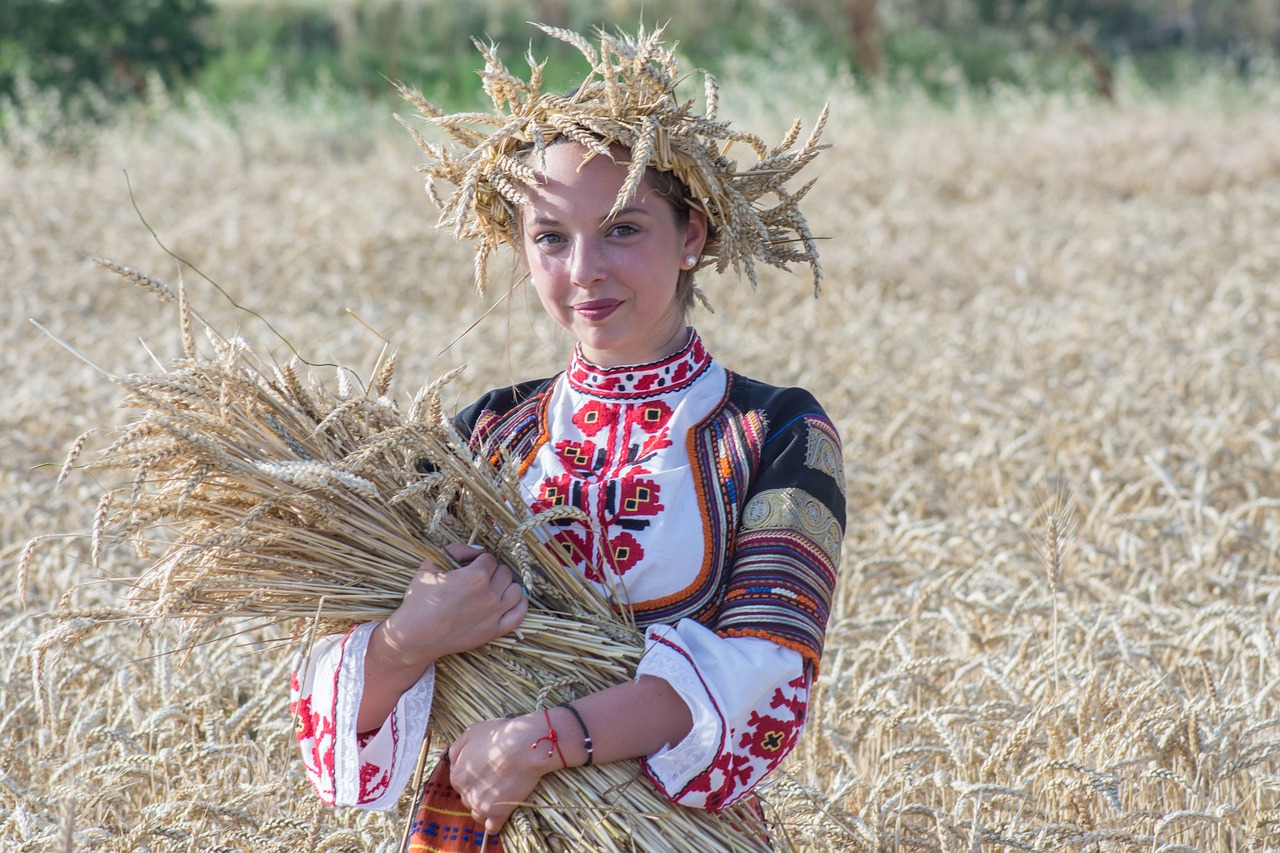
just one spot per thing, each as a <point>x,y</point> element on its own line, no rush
<point>547,221</point>
<point>628,211</point>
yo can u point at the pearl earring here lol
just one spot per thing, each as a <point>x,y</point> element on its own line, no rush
<point>690,261</point>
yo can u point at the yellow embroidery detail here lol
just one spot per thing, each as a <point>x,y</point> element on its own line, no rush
<point>822,453</point>
<point>795,509</point>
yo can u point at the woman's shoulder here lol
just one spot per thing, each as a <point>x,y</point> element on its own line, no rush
<point>508,397</point>
<point>800,444</point>
<point>498,402</point>
<point>780,404</point>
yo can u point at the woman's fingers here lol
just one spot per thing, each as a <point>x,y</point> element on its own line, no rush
<point>462,552</point>
<point>464,608</point>
<point>510,602</point>
<point>513,615</point>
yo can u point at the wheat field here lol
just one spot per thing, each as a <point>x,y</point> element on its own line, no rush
<point>1049,340</point>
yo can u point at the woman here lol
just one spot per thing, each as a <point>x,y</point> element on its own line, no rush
<point>716,503</point>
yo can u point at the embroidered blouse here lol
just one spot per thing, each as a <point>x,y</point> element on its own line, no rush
<point>743,585</point>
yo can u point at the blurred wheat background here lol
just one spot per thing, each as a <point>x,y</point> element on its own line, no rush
<point>1049,340</point>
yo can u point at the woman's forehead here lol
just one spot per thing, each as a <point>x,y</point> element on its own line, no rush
<point>565,161</point>
<point>573,178</point>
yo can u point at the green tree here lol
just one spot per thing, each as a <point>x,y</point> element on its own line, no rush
<point>110,45</point>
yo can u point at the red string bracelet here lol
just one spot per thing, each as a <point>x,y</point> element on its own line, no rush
<point>553,737</point>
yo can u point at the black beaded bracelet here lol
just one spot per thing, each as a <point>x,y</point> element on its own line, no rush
<point>586,736</point>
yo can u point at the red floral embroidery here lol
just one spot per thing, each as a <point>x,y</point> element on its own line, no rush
<point>574,545</point>
<point>304,717</point>
<point>316,734</point>
<point>752,750</point>
<point>554,491</point>
<point>624,552</point>
<point>633,499</point>
<point>651,421</point>
<point>649,417</point>
<point>373,781</point>
<point>638,497</point>
<point>796,702</point>
<point>582,375</point>
<point>721,780</point>
<point>576,456</point>
<point>594,417</point>
<point>683,370</point>
<point>769,737</point>
<point>604,463</point>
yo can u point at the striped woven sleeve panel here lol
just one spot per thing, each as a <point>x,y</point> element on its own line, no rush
<point>786,551</point>
<point>784,572</point>
<point>505,421</point>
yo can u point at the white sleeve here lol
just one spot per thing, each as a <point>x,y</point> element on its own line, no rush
<point>748,697</point>
<point>346,767</point>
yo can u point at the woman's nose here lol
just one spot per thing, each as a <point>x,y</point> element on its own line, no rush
<point>586,266</point>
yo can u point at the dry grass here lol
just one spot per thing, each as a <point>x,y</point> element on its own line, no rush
<point>1047,302</point>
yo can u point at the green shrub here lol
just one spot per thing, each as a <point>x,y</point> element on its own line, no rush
<point>111,47</point>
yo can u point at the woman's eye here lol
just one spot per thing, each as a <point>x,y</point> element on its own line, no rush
<point>546,240</point>
<point>624,230</point>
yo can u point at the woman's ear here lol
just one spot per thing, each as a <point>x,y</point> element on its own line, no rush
<point>695,234</point>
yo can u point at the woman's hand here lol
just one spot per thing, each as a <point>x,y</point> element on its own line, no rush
<point>496,764</point>
<point>442,612</point>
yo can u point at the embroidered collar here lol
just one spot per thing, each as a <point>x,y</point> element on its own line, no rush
<point>676,372</point>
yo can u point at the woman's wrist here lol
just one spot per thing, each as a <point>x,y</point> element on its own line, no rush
<point>574,744</point>
<point>539,742</point>
<point>394,656</point>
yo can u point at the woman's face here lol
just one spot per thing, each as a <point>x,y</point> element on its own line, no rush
<point>611,282</point>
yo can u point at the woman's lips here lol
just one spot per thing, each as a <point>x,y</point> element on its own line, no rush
<point>596,309</point>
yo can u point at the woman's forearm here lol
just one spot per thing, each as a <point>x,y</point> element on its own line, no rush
<point>629,720</point>
<point>386,677</point>
<point>442,612</point>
